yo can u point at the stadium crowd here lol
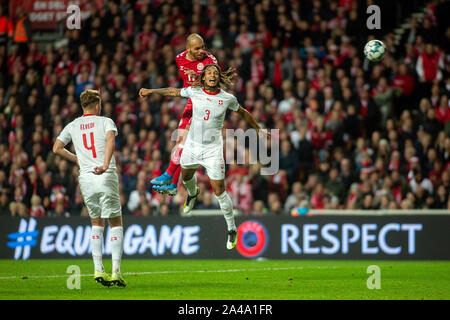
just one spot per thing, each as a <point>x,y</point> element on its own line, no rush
<point>353,134</point>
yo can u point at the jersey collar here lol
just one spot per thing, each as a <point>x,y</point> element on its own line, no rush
<point>211,94</point>
<point>89,114</point>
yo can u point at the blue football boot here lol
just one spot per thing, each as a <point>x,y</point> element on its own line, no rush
<point>170,189</point>
<point>163,179</point>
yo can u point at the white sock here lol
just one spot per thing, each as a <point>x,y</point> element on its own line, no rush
<point>226,205</point>
<point>97,247</point>
<point>191,186</point>
<point>116,247</point>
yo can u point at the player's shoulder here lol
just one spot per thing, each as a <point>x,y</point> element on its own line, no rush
<point>211,57</point>
<point>226,95</point>
<point>103,118</point>
<point>195,89</point>
<point>181,56</point>
<point>72,123</point>
<point>106,120</point>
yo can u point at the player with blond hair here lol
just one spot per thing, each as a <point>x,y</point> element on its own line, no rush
<point>93,139</point>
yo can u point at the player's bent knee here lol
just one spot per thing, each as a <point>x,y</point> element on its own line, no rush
<point>218,187</point>
<point>187,174</point>
<point>98,222</point>
<point>219,192</point>
<point>115,222</point>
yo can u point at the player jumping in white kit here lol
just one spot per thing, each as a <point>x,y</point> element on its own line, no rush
<point>204,143</point>
<point>93,139</point>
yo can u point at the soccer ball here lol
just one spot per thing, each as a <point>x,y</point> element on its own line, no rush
<point>374,50</point>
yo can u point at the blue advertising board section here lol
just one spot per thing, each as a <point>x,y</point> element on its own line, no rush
<point>395,237</point>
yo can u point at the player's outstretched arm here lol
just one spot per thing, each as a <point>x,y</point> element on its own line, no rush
<point>59,149</point>
<point>251,121</point>
<point>109,150</point>
<point>167,92</point>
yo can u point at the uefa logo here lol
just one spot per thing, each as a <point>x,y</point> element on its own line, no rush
<point>253,239</point>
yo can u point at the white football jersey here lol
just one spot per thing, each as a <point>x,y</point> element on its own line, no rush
<point>208,113</point>
<point>88,134</point>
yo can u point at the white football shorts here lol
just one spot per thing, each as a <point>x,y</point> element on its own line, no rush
<point>209,158</point>
<point>101,194</point>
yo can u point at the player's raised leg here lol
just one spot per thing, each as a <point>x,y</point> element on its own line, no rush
<point>100,276</point>
<point>170,189</point>
<point>226,206</point>
<point>163,179</point>
<point>116,242</point>
<point>172,173</point>
<point>167,183</point>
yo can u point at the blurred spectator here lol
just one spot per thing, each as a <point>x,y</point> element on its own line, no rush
<point>288,160</point>
<point>259,208</point>
<point>207,203</point>
<point>18,209</point>
<point>138,197</point>
<point>294,199</point>
<point>6,30</point>
<point>317,197</point>
<point>36,210</point>
<point>241,193</point>
<point>419,180</point>
<point>164,210</point>
<point>279,70</point>
<point>22,31</point>
<point>429,64</point>
<point>334,184</point>
<point>4,203</point>
<point>59,211</point>
<point>276,208</point>
<point>305,152</point>
<point>441,198</point>
<point>443,110</point>
<point>278,184</point>
<point>129,178</point>
<point>383,96</point>
<point>404,82</point>
<point>45,190</point>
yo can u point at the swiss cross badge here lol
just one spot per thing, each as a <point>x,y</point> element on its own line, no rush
<point>220,103</point>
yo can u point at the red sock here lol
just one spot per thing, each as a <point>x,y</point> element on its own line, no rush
<point>172,168</point>
<point>175,161</point>
<point>176,175</point>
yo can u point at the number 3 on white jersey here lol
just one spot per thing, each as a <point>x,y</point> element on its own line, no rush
<point>92,147</point>
<point>207,115</point>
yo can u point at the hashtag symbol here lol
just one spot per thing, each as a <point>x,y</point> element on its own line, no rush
<point>24,239</point>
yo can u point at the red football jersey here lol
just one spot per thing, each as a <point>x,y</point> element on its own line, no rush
<point>196,65</point>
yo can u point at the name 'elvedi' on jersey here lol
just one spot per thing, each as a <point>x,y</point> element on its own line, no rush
<point>87,126</point>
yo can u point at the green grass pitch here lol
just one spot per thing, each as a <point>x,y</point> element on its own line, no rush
<point>228,280</point>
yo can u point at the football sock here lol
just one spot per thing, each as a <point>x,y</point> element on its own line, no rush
<point>176,175</point>
<point>116,247</point>
<point>191,186</point>
<point>172,167</point>
<point>174,164</point>
<point>226,206</point>
<point>97,247</point>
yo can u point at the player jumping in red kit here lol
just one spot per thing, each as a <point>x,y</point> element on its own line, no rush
<point>190,65</point>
